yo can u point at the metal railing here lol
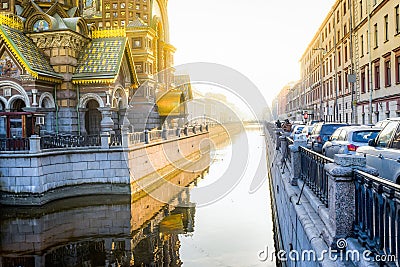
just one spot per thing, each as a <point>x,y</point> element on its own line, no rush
<point>155,135</point>
<point>14,144</point>
<point>136,138</point>
<point>63,141</point>
<point>377,214</point>
<point>115,140</point>
<point>313,173</point>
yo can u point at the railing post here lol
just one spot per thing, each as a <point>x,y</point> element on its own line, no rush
<point>185,130</point>
<point>295,160</point>
<point>194,129</point>
<point>283,145</point>
<point>207,128</point>
<point>105,139</point>
<point>146,136</point>
<point>341,195</point>
<point>124,132</point>
<point>178,132</point>
<point>34,144</point>
<point>278,143</point>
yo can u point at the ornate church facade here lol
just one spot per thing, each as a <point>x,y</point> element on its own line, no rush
<point>83,67</point>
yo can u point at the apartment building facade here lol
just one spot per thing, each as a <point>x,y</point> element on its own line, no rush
<point>350,71</point>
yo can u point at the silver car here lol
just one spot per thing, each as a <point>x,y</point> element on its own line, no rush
<point>346,140</point>
<point>383,153</point>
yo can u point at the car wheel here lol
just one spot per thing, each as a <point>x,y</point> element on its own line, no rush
<point>398,180</point>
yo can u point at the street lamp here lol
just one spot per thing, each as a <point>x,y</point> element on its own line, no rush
<point>323,52</point>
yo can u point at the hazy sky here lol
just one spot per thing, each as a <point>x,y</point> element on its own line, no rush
<point>263,39</point>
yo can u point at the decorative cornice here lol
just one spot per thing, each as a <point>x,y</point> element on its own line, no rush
<point>64,38</point>
<point>109,33</point>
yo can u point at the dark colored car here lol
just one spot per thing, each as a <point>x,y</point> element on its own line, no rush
<point>321,133</point>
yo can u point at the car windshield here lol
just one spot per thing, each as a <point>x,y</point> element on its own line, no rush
<point>330,128</point>
<point>364,136</point>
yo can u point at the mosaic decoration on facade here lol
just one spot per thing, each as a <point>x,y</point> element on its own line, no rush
<point>40,25</point>
<point>8,68</point>
<point>92,9</point>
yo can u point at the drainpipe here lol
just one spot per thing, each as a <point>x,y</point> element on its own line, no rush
<point>77,109</point>
<point>370,62</point>
<point>55,100</point>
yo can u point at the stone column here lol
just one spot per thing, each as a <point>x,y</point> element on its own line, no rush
<point>106,126</point>
<point>34,98</point>
<point>82,126</point>
<point>34,144</point>
<point>341,196</point>
<point>295,160</point>
<point>125,132</point>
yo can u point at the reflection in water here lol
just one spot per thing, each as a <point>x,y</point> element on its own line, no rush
<point>116,231</point>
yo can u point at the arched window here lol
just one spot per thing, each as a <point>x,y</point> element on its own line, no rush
<point>92,118</point>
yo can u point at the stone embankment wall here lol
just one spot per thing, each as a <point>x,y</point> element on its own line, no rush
<point>37,178</point>
<point>310,233</point>
<point>32,179</point>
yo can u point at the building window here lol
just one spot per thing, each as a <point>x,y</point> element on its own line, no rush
<point>398,69</point>
<point>115,5</point>
<point>139,67</point>
<point>363,81</point>
<point>107,15</point>
<point>397,18</point>
<point>337,16</point>
<point>345,29</point>
<point>386,28</point>
<point>344,8</point>
<point>345,53</point>
<point>346,81</point>
<point>340,83</point>
<point>362,45</point>
<point>388,78</point>
<point>376,34</point>
<point>339,58</point>
<point>122,5</point>
<point>338,34</point>
<point>361,9</point>
<point>137,43</point>
<point>377,76</point>
<point>4,5</point>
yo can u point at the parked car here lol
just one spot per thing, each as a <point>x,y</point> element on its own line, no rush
<point>346,140</point>
<point>382,123</point>
<point>296,131</point>
<point>383,152</point>
<point>305,133</point>
<point>320,134</point>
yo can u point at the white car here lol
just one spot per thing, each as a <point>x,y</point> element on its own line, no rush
<point>346,140</point>
<point>383,153</point>
<point>296,132</point>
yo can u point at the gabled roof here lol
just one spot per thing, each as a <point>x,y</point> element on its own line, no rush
<point>28,54</point>
<point>138,23</point>
<point>100,61</point>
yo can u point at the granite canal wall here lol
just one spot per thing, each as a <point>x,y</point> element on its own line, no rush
<point>46,175</point>
<point>314,202</point>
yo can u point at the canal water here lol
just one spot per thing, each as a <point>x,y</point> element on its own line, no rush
<point>113,231</point>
